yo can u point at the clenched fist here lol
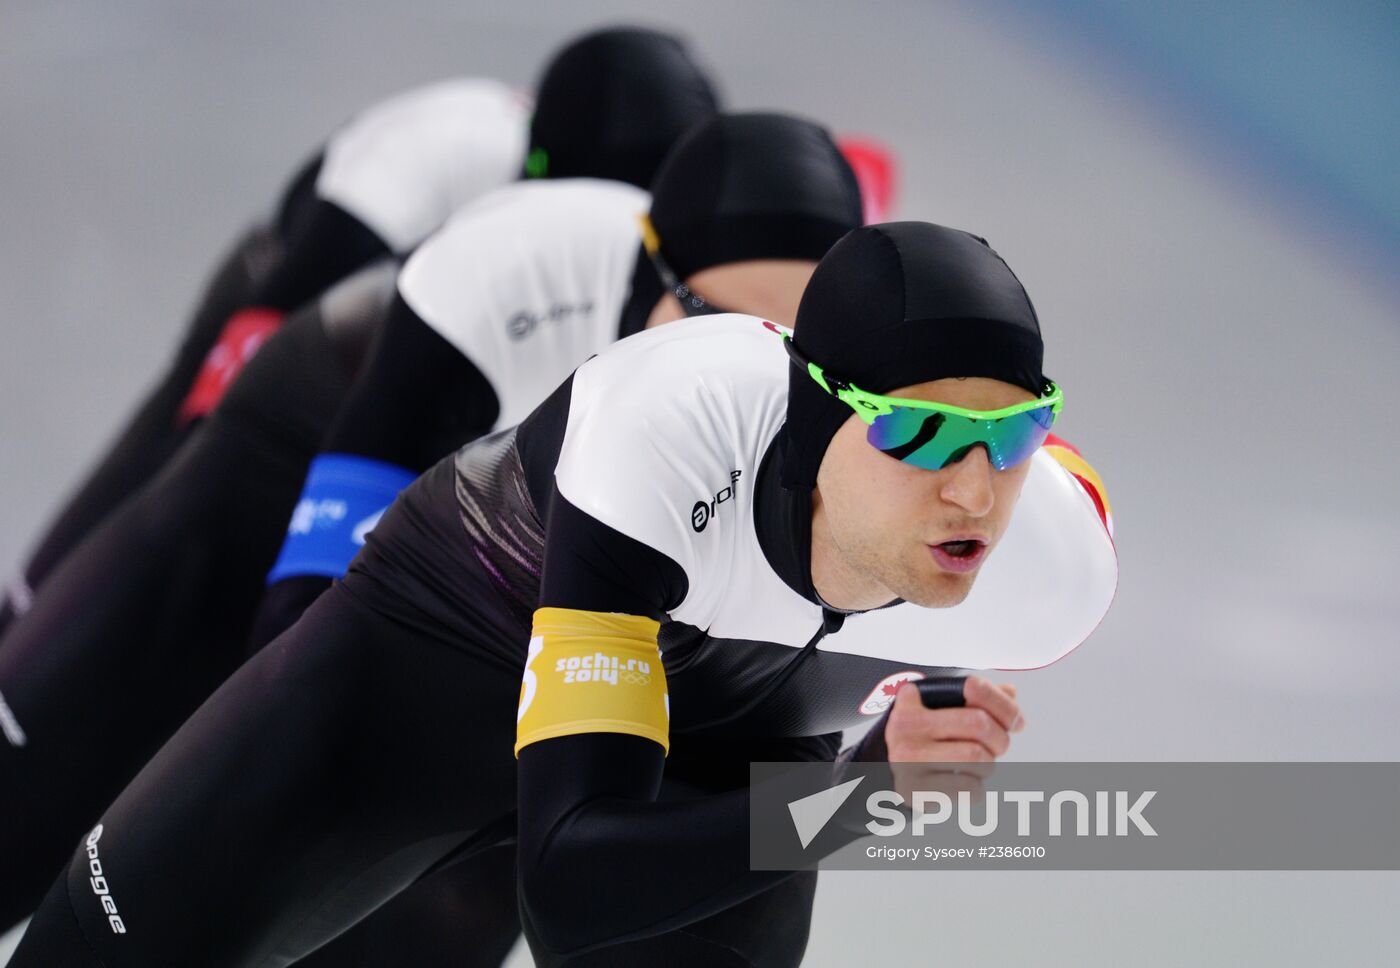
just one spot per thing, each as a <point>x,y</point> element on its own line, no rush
<point>975,734</point>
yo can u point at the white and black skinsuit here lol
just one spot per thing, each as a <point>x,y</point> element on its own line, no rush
<point>394,701</point>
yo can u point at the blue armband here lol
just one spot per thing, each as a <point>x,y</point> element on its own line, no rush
<point>341,502</point>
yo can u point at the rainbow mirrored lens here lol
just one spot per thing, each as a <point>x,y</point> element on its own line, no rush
<point>932,439</point>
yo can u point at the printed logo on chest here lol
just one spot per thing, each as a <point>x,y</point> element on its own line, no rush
<point>703,511</point>
<point>520,325</point>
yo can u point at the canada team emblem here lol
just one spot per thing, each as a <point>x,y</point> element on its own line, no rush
<point>882,696</point>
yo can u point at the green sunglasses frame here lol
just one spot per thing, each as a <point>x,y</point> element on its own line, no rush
<point>868,406</point>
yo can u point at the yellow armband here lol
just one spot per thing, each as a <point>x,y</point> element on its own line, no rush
<point>592,672</point>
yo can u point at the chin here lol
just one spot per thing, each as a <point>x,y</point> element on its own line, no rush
<point>939,591</point>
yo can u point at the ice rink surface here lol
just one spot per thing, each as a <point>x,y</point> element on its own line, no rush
<point>1228,351</point>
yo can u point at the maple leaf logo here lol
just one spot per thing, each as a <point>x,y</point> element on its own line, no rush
<point>885,691</point>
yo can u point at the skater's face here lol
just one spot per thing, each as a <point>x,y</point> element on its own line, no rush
<point>883,529</point>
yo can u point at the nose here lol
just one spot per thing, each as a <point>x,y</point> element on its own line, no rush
<point>968,483</point>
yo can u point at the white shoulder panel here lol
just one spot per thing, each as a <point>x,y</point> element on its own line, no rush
<point>529,281</point>
<point>404,165</point>
<point>665,433</point>
<point>1042,592</point>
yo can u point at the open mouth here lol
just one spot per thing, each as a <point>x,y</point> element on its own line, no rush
<point>961,549</point>
<point>962,555</point>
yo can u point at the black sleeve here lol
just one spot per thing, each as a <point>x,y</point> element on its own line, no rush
<point>324,243</point>
<point>416,400</point>
<point>599,855</point>
<point>592,567</point>
<point>601,861</point>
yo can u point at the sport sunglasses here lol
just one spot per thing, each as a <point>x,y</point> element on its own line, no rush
<point>934,435</point>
